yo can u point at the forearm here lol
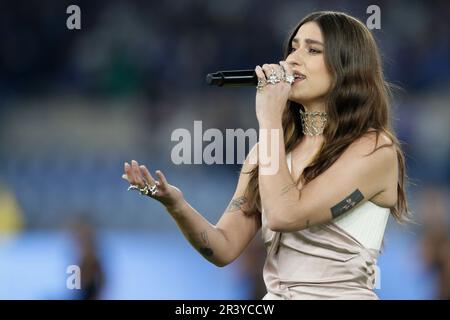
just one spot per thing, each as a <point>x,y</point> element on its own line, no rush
<point>277,189</point>
<point>206,238</point>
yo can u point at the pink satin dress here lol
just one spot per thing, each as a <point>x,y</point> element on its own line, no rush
<point>321,262</point>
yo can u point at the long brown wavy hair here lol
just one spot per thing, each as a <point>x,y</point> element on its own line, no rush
<point>359,100</point>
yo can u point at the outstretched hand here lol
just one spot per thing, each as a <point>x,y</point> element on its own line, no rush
<point>138,175</point>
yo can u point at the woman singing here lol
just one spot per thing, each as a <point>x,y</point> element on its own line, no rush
<point>340,171</point>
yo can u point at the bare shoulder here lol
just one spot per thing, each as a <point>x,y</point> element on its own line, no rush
<point>379,147</point>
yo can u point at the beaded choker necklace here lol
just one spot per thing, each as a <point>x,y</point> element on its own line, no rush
<point>313,122</point>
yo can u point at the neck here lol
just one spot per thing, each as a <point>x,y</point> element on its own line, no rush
<point>312,107</point>
<point>313,121</point>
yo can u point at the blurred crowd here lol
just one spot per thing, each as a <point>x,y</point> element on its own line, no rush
<point>76,104</point>
<point>154,48</point>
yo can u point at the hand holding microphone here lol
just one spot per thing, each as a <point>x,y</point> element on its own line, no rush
<point>274,85</point>
<point>240,78</point>
<point>270,102</point>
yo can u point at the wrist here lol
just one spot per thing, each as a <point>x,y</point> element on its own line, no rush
<point>177,207</point>
<point>270,123</point>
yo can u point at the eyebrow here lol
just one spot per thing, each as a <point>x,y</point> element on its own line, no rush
<point>308,41</point>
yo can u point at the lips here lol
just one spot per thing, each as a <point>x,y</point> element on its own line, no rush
<point>299,76</point>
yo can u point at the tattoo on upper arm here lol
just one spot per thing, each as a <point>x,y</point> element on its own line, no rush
<point>236,204</point>
<point>287,188</point>
<point>347,204</point>
<point>204,248</point>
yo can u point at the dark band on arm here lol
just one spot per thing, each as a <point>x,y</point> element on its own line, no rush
<point>347,204</point>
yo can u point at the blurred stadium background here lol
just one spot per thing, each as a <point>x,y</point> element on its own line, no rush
<point>74,105</point>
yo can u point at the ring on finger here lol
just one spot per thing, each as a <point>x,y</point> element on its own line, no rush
<point>273,78</point>
<point>133,187</point>
<point>289,78</point>
<point>261,84</point>
<point>148,189</point>
<point>153,190</point>
<point>145,190</point>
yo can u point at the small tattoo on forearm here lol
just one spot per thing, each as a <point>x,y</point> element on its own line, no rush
<point>307,224</point>
<point>236,204</point>
<point>205,249</point>
<point>347,204</point>
<point>204,237</point>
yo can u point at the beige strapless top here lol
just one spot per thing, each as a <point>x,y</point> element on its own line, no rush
<point>325,261</point>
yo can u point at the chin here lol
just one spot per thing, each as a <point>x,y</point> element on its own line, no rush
<point>298,99</point>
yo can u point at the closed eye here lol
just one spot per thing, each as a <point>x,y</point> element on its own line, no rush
<point>310,50</point>
<point>314,51</point>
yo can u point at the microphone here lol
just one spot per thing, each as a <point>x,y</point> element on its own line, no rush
<point>232,78</point>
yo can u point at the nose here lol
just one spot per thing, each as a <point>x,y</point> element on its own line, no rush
<point>294,59</point>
